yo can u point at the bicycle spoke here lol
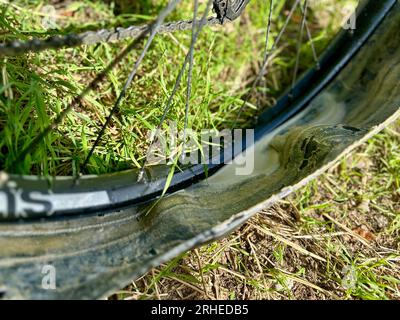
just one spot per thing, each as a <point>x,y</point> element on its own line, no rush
<point>172,4</point>
<point>266,60</point>
<point>176,86</point>
<point>299,43</point>
<point>269,23</point>
<point>289,17</point>
<point>312,45</point>
<point>189,80</point>
<point>77,101</point>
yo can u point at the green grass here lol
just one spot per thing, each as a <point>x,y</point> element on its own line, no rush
<point>36,87</point>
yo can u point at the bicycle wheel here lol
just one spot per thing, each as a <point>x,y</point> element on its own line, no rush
<point>100,231</point>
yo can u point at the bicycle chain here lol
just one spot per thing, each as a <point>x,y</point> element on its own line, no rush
<point>226,10</point>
